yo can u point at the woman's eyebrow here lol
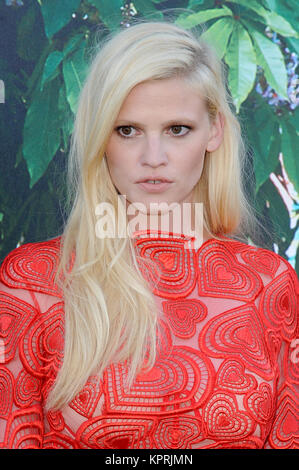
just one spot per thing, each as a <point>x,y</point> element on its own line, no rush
<point>166,123</point>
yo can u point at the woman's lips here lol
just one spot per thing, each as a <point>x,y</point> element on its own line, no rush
<point>154,187</point>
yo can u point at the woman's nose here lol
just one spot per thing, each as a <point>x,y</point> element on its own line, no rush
<point>154,153</point>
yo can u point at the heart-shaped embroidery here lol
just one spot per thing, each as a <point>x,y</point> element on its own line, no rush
<point>25,426</point>
<point>56,420</point>
<point>279,305</point>
<point>261,403</point>
<point>221,274</point>
<point>285,433</point>
<point>41,347</point>
<point>239,333</point>
<point>273,340</point>
<point>54,341</point>
<point>231,376</point>
<point>223,420</point>
<point>183,315</point>
<point>291,362</point>
<point>119,432</point>
<point>178,380</point>
<point>15,315</point>
<point>263,261</point>
<point>86,401</point>
<point>171,273</point>
<point>27,389</point>
<point>32,266</point>
<point>6,392</point>
<point>177,432</point>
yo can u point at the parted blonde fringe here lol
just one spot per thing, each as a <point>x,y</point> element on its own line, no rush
<point>110,312</point>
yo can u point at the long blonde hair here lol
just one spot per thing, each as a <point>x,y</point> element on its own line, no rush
<point>110,311</point>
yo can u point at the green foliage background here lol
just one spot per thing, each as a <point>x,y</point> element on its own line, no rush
<point>45,46</point>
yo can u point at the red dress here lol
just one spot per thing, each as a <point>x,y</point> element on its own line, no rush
<point>227,371</point>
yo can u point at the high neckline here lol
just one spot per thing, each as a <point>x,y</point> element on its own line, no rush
<point>190,241</point>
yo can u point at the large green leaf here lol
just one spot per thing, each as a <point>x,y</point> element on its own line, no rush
<point>272,19</point>
<point>253,5</point>
<point>278,214</point>
<point>51,66</point>
<point>72,44</point>
<point>293,118</point>
<point>289,141</point>
<point>41,135</point>
<point>57,14</point>
<point>74,72</point>
<point>218,35</point>
<point>279,24</point>
<point>293,43</point>
<point>271,4</point>
<point>29,46</point>
<point>288,9</point>
<point>67,117</point>
<point>270,58</point>
<point>241,59</point>
<point>194,19</point>
<point>262,129</point>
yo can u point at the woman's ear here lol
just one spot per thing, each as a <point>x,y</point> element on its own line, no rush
<point>216,133</point>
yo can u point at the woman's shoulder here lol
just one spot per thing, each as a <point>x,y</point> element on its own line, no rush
<point>248,271</point>
<point>255,275</point>
<point>259,259</point>
<point>32,266</point>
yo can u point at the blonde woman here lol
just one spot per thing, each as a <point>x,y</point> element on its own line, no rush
<point>150,337</point>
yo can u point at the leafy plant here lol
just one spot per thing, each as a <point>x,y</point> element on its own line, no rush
<point>43,62</point>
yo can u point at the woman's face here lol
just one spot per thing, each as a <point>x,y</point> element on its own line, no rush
<point>161,133</point>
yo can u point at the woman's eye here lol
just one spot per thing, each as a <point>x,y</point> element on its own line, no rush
<point>176,130</point>
<point>124,131</point>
